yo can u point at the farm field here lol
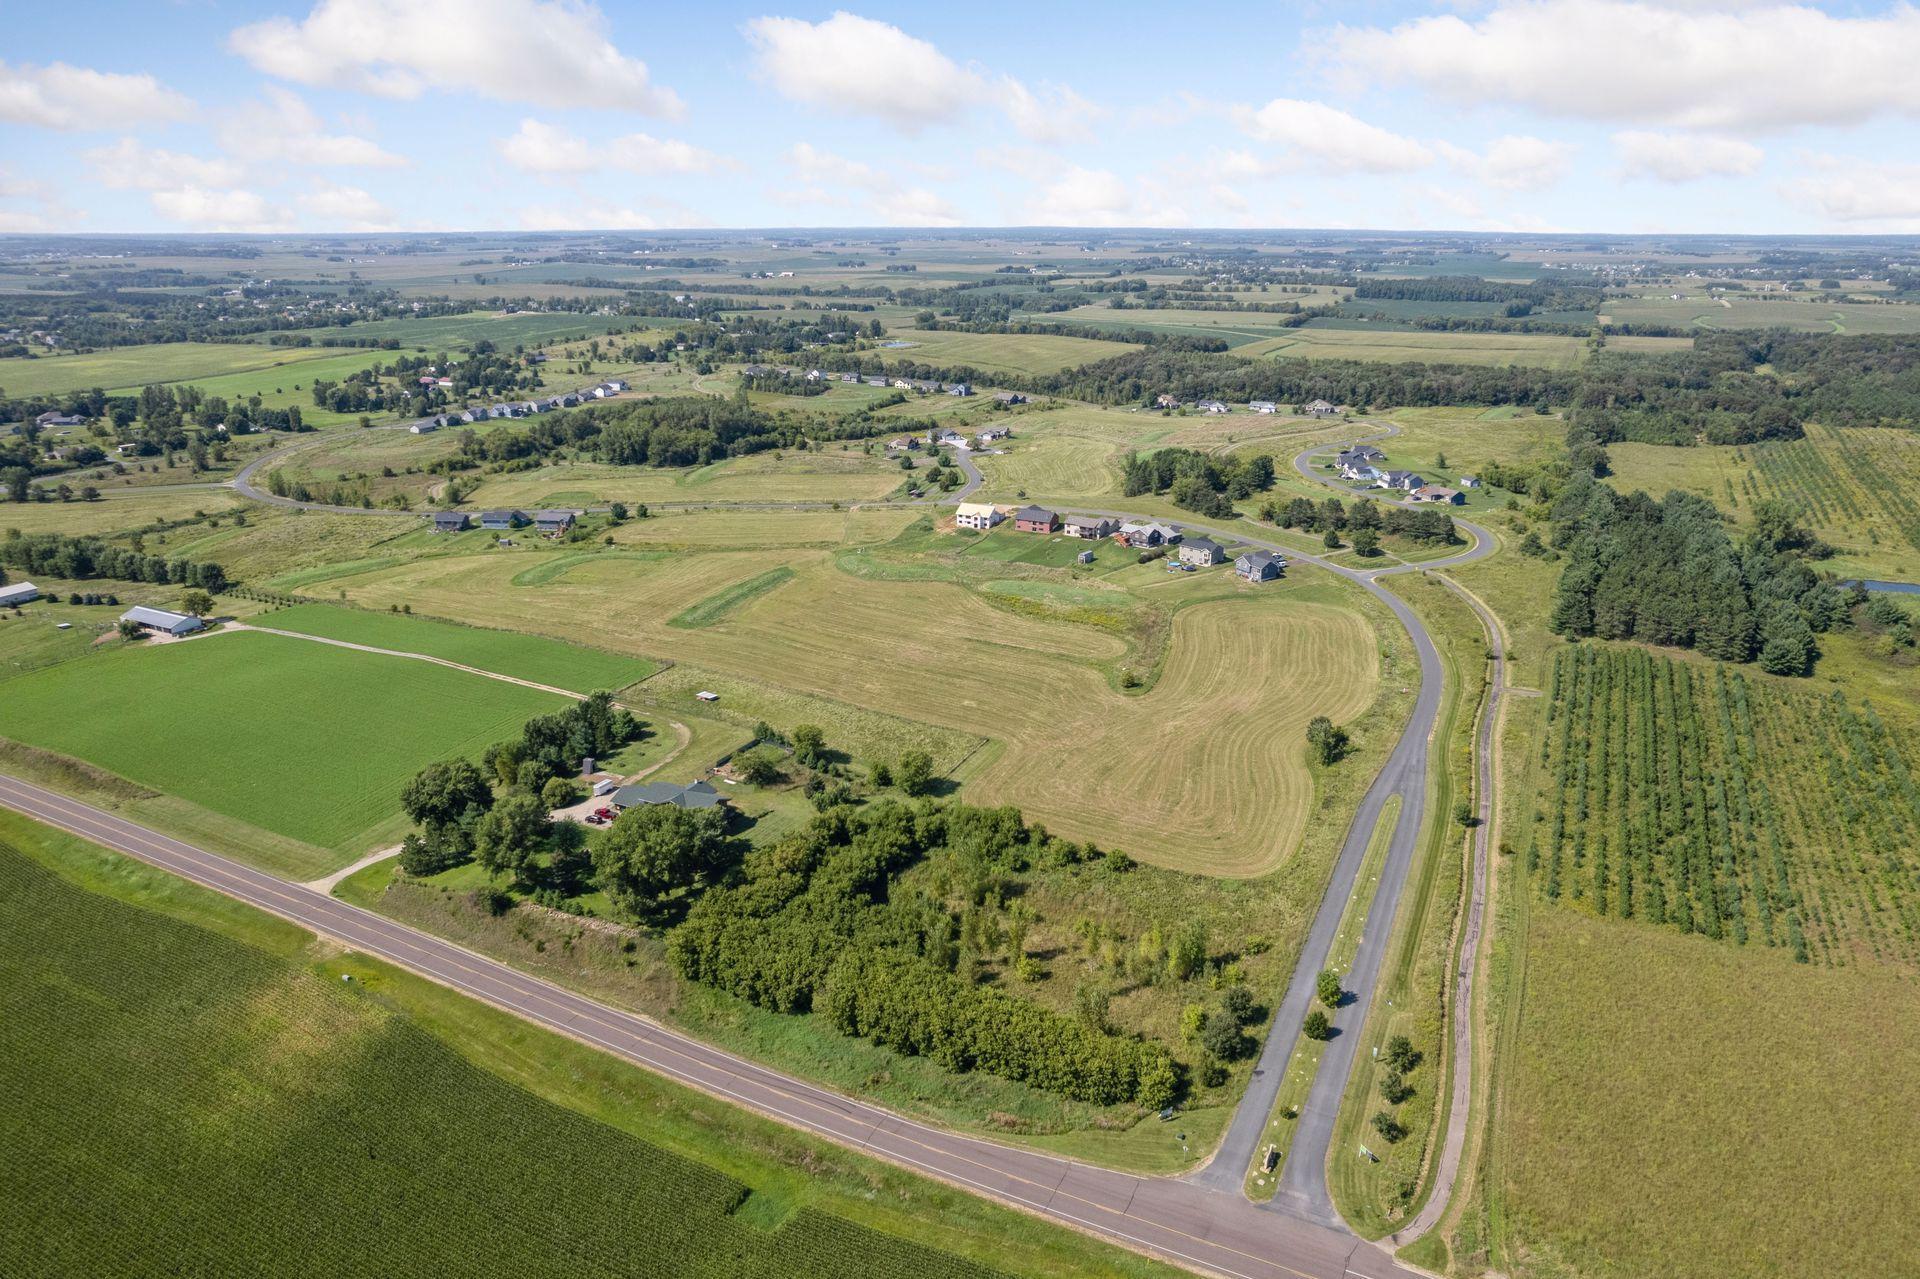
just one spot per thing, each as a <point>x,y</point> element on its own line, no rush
<point>1853,487</point>
<point>821,475</point>
<point>1734,806</point>
<point>1032,353</point>
<point>532,328</point>
<point>1754,313</point>
<point>532,657</point>
<point>125,369</point>
<point>217,1042</point>
<point>1030,676</point>
<point>307,741</point>
<point>117,509</point>
<point>1668,1102</point>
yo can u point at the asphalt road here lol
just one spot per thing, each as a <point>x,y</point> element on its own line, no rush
<point>1194,1226</point>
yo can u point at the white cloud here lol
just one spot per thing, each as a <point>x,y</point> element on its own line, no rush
<point>59,96</point>
<point>544,148</point>
<point>285,129</point>
<point>1515,162</point>
<point>1099,197</point>
<point>592,215</point>
<point>127,165</point>
<point>343,208</point>
<point>1329,139</point>
<point>1696,67</point>
<point>859,66</point>
<point>821,177</point>
<point>916,206</point>
<point>1682,157</point>
<point>553,53</point>
<point>201,208</point>
<point>1845,189</point>
<point>1054,115</point>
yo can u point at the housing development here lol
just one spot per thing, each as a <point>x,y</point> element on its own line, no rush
<point>760,713</point>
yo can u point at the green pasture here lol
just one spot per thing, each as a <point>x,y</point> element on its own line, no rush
<point>522,656</point>
<point>233,369</point>
<point>309,741</point>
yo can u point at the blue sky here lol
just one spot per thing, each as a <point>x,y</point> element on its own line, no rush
<point>1561,115</point>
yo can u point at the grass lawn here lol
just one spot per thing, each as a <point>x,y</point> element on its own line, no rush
<point>531,657</point>
<point>1032,353</point>
<point>304,740</point>
<point>387,1126</point>
<point>202,363</point>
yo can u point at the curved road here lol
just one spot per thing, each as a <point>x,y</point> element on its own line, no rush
<point>1184,1223</point>
<point>1203,1221</point>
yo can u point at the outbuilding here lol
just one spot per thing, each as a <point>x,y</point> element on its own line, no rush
<point>17,594</point>
<point>162,621</point>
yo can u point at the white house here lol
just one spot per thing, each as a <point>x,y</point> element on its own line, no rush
<point>1260,406</point>
<point>1469,481</point>
<point>1211,406</point>
<point>976,515</point>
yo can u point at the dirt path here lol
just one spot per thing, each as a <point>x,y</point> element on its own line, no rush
<point>327,883</point>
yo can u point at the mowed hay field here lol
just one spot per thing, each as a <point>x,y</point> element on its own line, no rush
<point>1223,800</point>
<point>224,1109</point>
<point>1675,1106</point>
<point>305,740</point>
<point>821,475</point>
<point>1033,353</point>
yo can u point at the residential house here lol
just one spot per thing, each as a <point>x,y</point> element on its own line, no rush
<point>902,384</point>
<point>874,380</point>
<point>162,621</point>
<point>426,426</point>
<point>850,377</point>
<point>976,515</point>
<point>600,392</point>
<point>1438,493</point>
<point>18,593</point>
<point>1035,519</point>
<point>699,794</point>
<point>1165,402</point>
<point>1211,406</point>
<point>58,419</point>
<point>526,408</point>
<point>816,375</point>
<point>899,442</point>
<point>1259,566</point>
<point>993,433</point>
<point>1318,408</point>
<point>1260,406</point>
<point>951,438</point>
<point>500,410</point>
<point>1201,551</point>
<point>1009,397</point>
<point>1362,471</point>
<point>501,520</point>
<point>959,388</point>
<point>1404,481</point>
<point>1090,526</point>
<point>1368,452</point>
<point>1146,534</point>
<point>552,523</point>
<point>1469,481</point>
<point>451,522</point>
<point>616,385</point>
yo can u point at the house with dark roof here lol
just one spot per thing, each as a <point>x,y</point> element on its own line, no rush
<point>1009,397</point>
<point>1202,551</point>
<point>451,522</point>
<point>552,523</point>
<point>1259,566</point>
<point>1438,493</point>
<point>1469,481</point>
<point>959,388</point>
<point>1035,519</point>
<point>1318,408</point>
<point>1146,534</point>
<point>1365,472</point>
<point>501,520</point>
<point>1404,481</point>
<point>697,795</point>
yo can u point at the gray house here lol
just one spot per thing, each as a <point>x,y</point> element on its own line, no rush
<point>697,795</point>
<point>1202,551</point>
<point>552,523</point>
<point>500,520</point>
<point>1405,481</point>
<point>1259,566</point>
<point>451,522</point>
<point>1090,526</point>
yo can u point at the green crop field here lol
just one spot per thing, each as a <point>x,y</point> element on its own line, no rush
<point>1696,797</point>
<point>226,1110</point>
<point>306,740</point>
<point>504,331</point>
<point>531,657</point>
<point>718,605</point>
<point>1765,311</point>
<point>818,475</point>
<point>125,369</point>
<point>1001,352</point>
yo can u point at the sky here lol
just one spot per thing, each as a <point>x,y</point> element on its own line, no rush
<point>422,115</point>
